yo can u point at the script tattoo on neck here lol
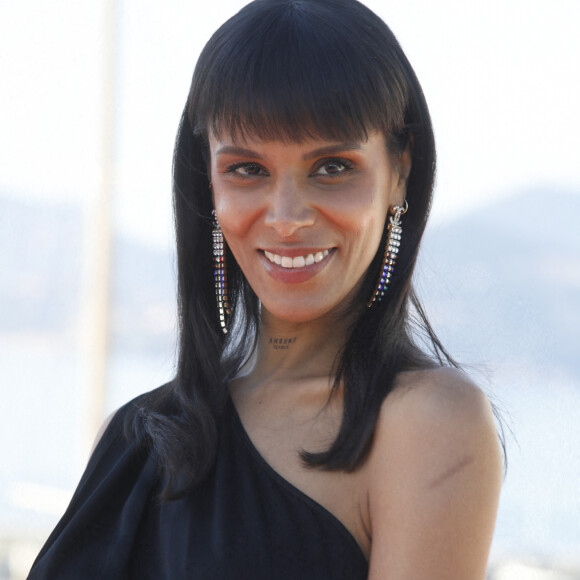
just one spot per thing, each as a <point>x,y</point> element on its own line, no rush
<point>281,343</point>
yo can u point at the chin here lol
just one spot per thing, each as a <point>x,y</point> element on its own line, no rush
<point>298,312</point>
<point>294,315</point>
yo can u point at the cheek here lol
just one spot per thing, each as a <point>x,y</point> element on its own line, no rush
<point>362,212</point>
<point>236,213</point>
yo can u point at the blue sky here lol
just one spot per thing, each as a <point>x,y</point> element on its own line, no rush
<point>500,77</point>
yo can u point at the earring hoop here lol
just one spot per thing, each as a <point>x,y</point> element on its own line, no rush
<point>392,246</point>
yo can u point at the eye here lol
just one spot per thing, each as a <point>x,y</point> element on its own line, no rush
<point>333,167</point>
<point>246,170</point>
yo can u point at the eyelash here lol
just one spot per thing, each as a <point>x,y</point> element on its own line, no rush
<point>347,166</point>
<point>234,168</point>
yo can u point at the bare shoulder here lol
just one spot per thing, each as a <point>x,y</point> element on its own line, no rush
<point>435,420</point>
<point>434,475</point>
<point>444,398</point>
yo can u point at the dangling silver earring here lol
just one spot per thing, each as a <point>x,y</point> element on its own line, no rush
<point>395,232</point>
<point>220,273</point>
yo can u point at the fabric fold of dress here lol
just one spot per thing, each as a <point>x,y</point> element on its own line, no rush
<point>244,521</point>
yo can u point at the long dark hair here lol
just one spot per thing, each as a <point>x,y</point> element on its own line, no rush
<point>290,70</point>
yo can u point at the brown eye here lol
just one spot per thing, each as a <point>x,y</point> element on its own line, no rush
<point>250,169</point>
<point>334,168</point>
<point>246,170</point>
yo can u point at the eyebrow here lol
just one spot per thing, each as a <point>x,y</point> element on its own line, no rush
<point>236,150</point>
<point>320,152</point>
<point>333,150</point>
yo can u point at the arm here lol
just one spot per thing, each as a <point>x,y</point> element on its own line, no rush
<point>435,474</point>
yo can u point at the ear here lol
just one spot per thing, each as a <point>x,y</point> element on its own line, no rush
<point>403,164</point>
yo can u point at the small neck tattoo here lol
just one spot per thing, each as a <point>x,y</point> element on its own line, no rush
<point>281,343</point>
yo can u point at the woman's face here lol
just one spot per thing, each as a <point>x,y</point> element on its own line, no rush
<point>304,220</point>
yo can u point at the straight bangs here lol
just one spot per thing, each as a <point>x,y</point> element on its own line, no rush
<point>297,71</point>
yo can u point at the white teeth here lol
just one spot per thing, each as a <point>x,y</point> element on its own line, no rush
<point>298,261</point>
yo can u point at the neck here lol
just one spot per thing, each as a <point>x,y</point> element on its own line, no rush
<point>294,351</point>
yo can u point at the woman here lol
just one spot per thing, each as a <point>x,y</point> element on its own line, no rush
<point>306,434</point>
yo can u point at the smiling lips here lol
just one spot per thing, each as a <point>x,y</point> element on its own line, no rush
<point>297,261</point>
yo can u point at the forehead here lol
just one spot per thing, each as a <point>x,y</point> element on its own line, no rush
<point>270,132</point>
<point>306,149</point>
<point>308,136</point>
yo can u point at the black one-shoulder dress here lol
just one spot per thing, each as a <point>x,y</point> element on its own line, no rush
<point>243,522</point>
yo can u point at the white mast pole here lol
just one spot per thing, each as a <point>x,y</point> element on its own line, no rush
<point>100,222</point>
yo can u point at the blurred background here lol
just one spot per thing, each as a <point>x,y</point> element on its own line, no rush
<point>90,98</point>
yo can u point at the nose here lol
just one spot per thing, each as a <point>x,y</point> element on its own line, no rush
<point>289,209</point>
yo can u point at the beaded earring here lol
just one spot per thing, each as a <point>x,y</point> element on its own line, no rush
<point>395,232</point>
<point>220,273</point>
